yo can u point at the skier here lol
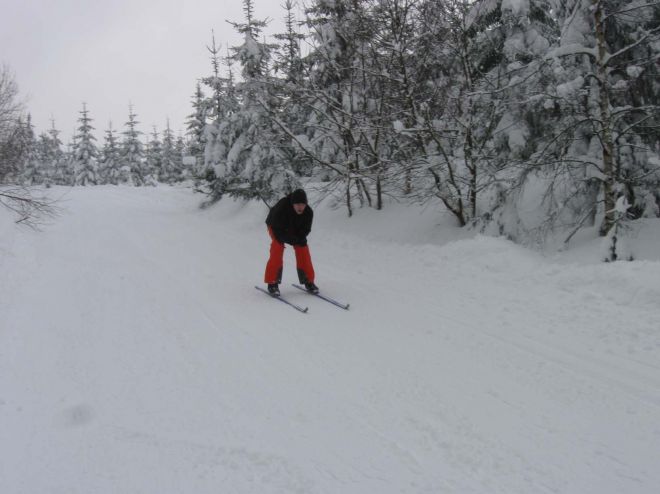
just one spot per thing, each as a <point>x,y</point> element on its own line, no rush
<point>289,222</point>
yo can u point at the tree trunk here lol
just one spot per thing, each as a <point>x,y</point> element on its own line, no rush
<point>379,193</point>
<point>606,120</point>
<point>472,167</point>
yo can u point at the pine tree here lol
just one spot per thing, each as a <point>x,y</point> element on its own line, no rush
<point>85,152</point>
<point>42,146</point>
<point>111,165</point>
<point>67,169</point>
<point>31,168</point>
<point>133,151</point>
<point>340,100</point>
<point>216,83</point>
<point>51,155</point>
<point>153,156</point>
<point>243,147</point>
<point>252,55</point>
<point>288,59</point>
<point>512,103</point>
<point>196,126</point>
<point>288,96</point>
<point>222,107</point>
<point>182,156</point>
<point>171,158</point>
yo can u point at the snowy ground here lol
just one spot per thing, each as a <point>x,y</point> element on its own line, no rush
<point>137,357</point>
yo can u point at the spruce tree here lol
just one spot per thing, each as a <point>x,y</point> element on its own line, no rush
<point>51,154</point>
<point>171,158</point>
<point>183,158</point>
<point>31,167</point>
<point>244,151</point>
<point>288,86</point>
<point>111,164</point>
<point>196,126</point>
<point>133,152</point>
<point>338,97</point>
<point>153,156</point>
<point>85,152</point>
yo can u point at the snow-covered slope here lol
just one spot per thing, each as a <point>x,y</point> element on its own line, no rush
<point>136,356</point>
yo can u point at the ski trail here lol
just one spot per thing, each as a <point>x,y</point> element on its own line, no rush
<point>135,356</point>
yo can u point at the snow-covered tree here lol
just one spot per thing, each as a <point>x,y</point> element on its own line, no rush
<point>607,96</point>
<point>288,95</point>
<point>171,158</point>
<point>153,156</point>
<point>196,125</point>
<point>510,104</point>
<point>133,152</point>
<point>31,166</point>
<point>51,155</point>
<point>216,83</point>
<point>243,146</point>
<point>11,111</point>
<point>518,116</point>
<point>222,106</point>
<point>288,59</point>
<point>85,152</point>
<point>183,157</point>
<point>342,103</point>
<point>111,158</point>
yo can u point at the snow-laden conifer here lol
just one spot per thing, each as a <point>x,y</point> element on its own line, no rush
<point>153,156</point>
<point>171,160</point>
<point>111,166</point>
<point>32,172</point>
<point>244,146</point>
<point>195,130</point>
<point>133,152</point>
<point>85,152</point>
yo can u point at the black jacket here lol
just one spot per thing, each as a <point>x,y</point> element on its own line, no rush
<point>288,226</point>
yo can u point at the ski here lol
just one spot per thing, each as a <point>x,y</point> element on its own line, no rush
<point>281,299</point>
<point>324,297</point>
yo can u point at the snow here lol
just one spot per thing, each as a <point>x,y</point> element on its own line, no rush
<point>568,89</point>
<point>136,356</point>
<point>398,126</point>
<point>516,7</point>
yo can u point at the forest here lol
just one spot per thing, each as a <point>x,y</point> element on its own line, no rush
<point>517,117</point>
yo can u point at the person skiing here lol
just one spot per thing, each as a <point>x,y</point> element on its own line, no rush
<point>289,222</point>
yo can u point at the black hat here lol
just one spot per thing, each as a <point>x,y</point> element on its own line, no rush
<point>298,196</point>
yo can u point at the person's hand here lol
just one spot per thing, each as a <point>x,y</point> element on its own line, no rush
<point>286,239</point>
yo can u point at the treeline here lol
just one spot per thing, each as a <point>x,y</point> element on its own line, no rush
<point>515,116</point>
<point>123,158</point>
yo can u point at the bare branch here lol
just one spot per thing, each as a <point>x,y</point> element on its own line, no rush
<point>31,207</point>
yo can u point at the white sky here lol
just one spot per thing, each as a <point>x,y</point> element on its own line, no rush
<point>110,53</point>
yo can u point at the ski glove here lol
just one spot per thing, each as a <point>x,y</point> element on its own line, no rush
<point>286,239</point>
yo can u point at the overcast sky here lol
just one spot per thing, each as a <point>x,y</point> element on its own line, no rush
<point>109,53</point>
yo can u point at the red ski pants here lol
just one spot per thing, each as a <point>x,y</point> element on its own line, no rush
<point>276,262</point>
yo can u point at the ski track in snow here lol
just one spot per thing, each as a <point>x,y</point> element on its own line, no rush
<point>136,356</point>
